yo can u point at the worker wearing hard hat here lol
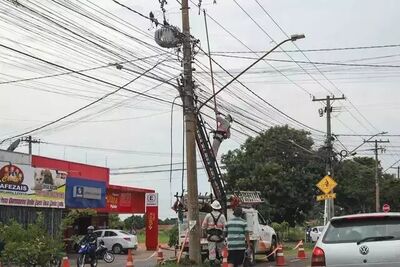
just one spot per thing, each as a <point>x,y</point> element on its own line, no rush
<point>213,227</point>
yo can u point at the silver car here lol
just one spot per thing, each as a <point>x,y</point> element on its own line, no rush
<point>366,240</point>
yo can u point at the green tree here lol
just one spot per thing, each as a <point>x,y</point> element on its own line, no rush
<point>138,221</point>
<point>115,222</point>
<point>356,185</point>
<point>281,164</point>
<point>31,246</point>
<point>390,188</point>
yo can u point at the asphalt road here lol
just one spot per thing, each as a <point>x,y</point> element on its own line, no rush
<point>289,262</point>
<point>143,258</point>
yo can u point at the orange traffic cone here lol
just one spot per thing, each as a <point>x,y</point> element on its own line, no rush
<point>280,259</point>
<point>65,262</point>
<point>160,256</point>
<point>301,254</point>
<point>129,261</point>
<point>225,257</point>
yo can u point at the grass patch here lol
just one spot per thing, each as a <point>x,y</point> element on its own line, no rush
<point>163,236</point>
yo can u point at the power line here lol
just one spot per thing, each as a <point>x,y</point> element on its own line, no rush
<point>122,151</point>
<point>77,110</point>
<point>312,62</point>
<point>84,75</point>
<point>77,71</point>
<point>274,68</point>
<point>314,50</point>
<point>152,171</point>
<point>132,10</point>
<point>262,99</point>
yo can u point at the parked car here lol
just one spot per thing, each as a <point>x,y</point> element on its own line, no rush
<point>117,240</point>
<point>316,233</point>
<point>368,240</point>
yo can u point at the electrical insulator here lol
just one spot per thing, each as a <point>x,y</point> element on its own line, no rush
<point>168,36</point>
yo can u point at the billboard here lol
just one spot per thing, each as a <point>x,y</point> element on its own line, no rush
<point>85,193</point>
<point>24,185</point>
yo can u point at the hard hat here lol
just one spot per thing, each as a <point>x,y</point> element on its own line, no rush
<point>215,205</point>
<point>90,228</point>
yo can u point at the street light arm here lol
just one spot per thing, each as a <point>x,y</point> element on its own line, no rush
<point>292,38</point>
<point>351,152</point>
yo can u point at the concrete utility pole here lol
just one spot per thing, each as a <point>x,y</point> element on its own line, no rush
<point>30,141</point>
<point>398,171</point>
<point>329,204</point>
<point>377,192</point>
<point>190,122</point>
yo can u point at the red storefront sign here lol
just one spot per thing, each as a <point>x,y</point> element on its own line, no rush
<point>151,221</point>
<point>123,199</point>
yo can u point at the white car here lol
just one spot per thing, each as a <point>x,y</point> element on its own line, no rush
<point>117,240</point>
<point>316,233</point>
<point>361,240</point>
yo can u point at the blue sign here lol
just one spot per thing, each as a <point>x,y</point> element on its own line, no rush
<point>83,193</point>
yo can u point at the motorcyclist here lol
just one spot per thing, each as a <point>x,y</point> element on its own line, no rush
<point>91,239</point>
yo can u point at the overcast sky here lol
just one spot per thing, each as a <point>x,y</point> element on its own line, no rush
<point>141,125</point>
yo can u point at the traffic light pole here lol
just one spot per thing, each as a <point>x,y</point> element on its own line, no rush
<point>329,208</point>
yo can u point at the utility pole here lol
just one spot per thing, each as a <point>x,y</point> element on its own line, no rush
<point>190,122</point>
<point>398,171</point>
<point>329,204</point>
<point>376,151</point>
<point>30,141</point>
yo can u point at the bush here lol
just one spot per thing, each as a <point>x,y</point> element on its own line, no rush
<point>286,233</point>
<point>31,246</point>
<point>173,236</point>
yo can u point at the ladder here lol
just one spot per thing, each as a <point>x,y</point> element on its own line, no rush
<point>210,162</point>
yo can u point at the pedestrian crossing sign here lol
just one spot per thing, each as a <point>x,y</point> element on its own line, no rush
<point>326,184</point>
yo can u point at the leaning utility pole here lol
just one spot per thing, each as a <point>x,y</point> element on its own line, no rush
<point>30,141</point>
<point>329,204</point>
<point>190,122</point>
<point>377,192</point>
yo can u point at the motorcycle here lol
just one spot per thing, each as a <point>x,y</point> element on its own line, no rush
<point>101,253</point>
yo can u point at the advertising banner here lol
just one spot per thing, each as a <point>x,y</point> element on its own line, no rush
<point>23,185</point>
<point>119,201</point>
<point>151,221</point>
<point>85,193</point>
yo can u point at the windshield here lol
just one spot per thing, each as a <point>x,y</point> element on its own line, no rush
<point>355,230</point>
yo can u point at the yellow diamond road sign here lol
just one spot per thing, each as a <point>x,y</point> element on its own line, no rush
<point>326,184</point>
<point>326,196</point>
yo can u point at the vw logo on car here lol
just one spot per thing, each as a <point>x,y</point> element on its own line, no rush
<point>364,250</point>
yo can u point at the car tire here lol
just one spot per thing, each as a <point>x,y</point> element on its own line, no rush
<point>117,249</point>
<point>273,247</point>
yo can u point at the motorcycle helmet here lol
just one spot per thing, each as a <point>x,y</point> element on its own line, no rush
<point>90,229</point>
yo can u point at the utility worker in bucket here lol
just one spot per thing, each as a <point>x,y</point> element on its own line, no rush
<point>213,227</point>
<point>223,131</point>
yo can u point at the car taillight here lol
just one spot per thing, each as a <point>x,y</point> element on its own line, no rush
<point>318,258</point>
<point>127,239</point>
